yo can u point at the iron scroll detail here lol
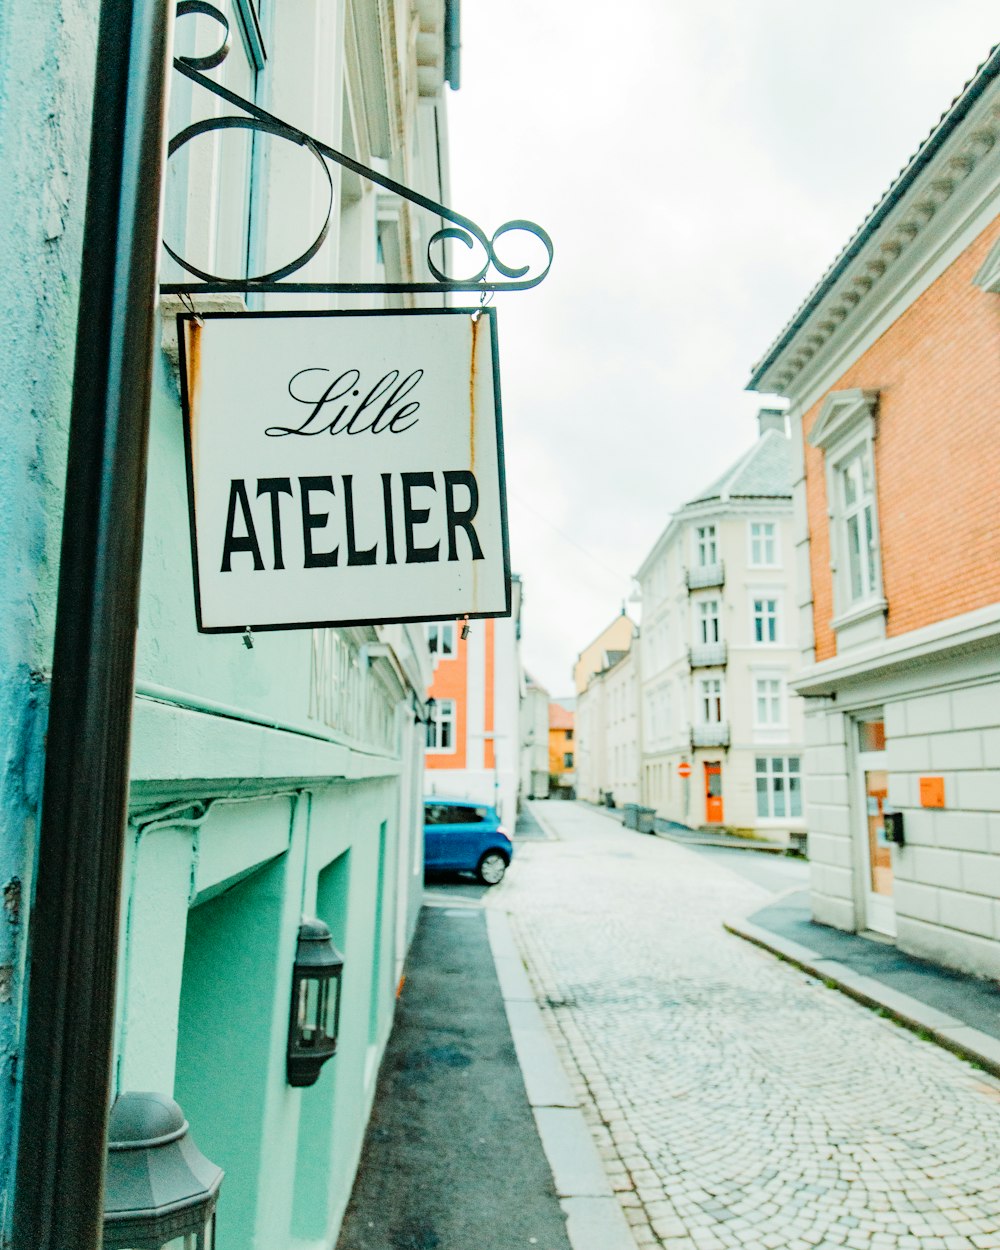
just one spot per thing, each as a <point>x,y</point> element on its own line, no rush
<point>460,228</point>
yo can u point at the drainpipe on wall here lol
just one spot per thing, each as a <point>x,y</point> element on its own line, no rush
<point>73,932</point>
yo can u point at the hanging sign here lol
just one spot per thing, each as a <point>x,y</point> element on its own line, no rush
<point>344,468</point>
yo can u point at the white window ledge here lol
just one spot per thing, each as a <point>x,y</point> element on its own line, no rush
<point>860,612</point>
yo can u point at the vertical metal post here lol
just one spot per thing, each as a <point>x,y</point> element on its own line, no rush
<point>73,933</point>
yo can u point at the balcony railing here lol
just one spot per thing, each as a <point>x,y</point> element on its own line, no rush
<point>710,735</point>
<point>708,655</point>
<point>702,576</point>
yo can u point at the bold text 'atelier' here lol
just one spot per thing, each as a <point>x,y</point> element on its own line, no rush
<point>443,516</point>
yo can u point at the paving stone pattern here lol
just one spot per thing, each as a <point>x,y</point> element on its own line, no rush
<point>736,1101</point>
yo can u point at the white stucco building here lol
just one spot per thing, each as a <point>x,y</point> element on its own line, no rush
<point>607,729</point>
<point>718,649</point>
<point>534,720</point>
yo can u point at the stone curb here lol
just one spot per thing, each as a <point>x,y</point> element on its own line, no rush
<point>594,1218</point>
<point>948,1031</point>
<point>693,838</point>
<point>547,829</point>
<point>735,844</point>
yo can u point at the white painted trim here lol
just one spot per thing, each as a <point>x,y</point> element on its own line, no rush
<point>776,563</point>
<point>438,721</point>
<point>862,611</point>
<point>768,727</point>
<point>949,205</point>
<point>843,414</point>
<point>849,430</point>
<point>825,369</point>
<point>988,276</point>
<point>879,909</point>
<point>778,595</point>
<point>971,629</point>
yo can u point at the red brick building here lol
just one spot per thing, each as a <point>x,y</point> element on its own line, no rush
<point>892,371</point>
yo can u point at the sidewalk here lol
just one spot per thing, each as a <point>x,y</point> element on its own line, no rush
<point>527,825</point>
<point>475,1138</point>
<point>684,835</point>
<point>959,1012</point>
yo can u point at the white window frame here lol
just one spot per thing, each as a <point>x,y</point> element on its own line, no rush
<point>443,629</point>
<point>704,617</point>
<point>706,538</point>
<point>711,690</point>
<point>203,181</point>
<point>862,511</point>
<point>753,540</point>
<point>845,430</point>
<point>767,596</point>
<point>781,721</point>
<point>785,774</point>
<point>443,714</point>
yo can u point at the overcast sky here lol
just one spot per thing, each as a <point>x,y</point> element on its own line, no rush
<point>698,164</point>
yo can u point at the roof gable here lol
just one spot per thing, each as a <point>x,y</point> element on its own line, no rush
<point>763,472</point>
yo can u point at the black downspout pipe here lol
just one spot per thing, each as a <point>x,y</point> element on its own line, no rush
<point>73,933</point>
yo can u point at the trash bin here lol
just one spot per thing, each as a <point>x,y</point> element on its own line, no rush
<point>609,799</point>
<point>631,817</point>
<point>645,819</point>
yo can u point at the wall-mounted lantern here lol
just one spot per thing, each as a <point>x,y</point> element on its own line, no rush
<point>315,1015</point>
<point>160,1191</point>
<point>428,712</point>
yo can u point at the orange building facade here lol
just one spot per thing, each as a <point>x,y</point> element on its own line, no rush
<point>562,748</point>
<point>473,738</point>
<point>892,372</point>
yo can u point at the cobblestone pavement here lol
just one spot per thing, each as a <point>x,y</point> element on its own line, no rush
<point>736,1101</point>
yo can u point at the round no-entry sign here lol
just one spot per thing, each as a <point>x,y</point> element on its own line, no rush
<point>683,769</point>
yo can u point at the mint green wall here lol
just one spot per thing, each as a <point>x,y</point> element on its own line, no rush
<point>268,814</point>
<point>273,678</point>
<point>214,893</point>
<point>234,960</point>
<point>46,77</point>
<point>318,1121</point>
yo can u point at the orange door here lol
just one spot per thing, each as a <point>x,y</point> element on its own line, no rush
<point>713,793</point>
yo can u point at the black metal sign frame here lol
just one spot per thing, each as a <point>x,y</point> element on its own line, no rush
<point>461,229</point>
<point>189,421</point>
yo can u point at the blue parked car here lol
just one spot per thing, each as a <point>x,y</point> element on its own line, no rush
<point>462,836</point>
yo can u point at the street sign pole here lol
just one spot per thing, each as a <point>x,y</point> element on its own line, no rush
<point>684,772</point>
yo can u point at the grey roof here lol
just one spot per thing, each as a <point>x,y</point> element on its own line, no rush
<point>764,472</point>
<point>918,162</point>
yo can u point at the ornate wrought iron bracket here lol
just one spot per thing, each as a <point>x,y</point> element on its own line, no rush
<point>461,229</point>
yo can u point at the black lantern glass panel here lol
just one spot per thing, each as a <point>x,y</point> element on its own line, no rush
<point>315,1012</point>
<point>160,1192</point>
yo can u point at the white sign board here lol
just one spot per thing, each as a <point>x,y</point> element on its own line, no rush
<point>344,468</point>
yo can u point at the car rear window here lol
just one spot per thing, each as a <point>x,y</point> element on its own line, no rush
<point>452,814</point>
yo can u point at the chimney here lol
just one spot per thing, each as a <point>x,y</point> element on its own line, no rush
<point>772,419</point>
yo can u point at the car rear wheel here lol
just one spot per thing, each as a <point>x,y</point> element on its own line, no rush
<point>491,868</point>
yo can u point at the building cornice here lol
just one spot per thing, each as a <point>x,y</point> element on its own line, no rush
<point>972,631</point>
<point>988,276</point>
<point>707,509</point>
<point>951,175</point>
